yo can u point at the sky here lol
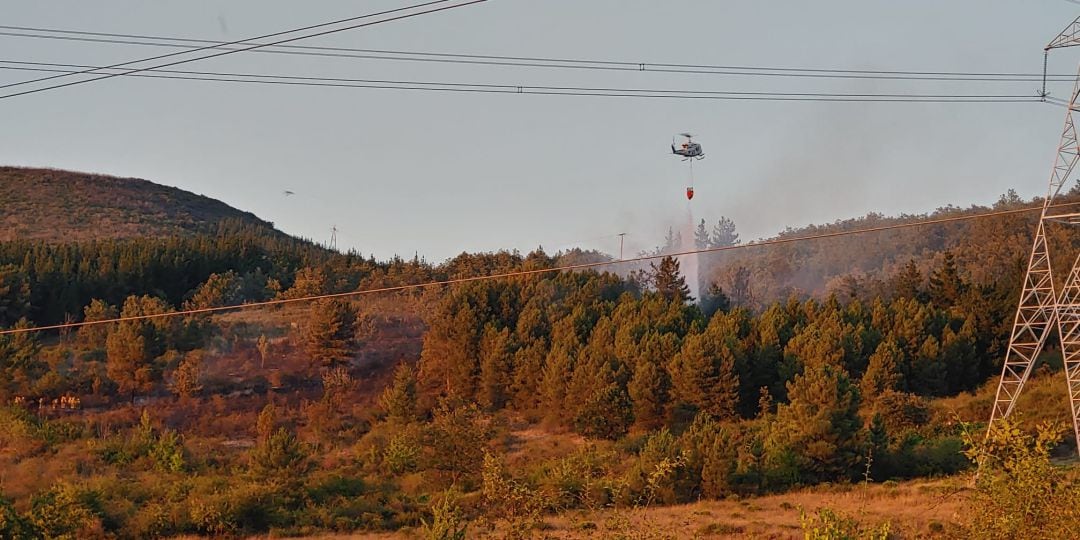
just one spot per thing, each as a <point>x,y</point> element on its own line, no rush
<point>437,174</point>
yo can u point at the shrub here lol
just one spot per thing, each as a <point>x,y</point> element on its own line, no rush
<point>446,522</point>
<point>168,452</point>
<point>12,525</point>
<point>830,525</point>
<point>281,456</point>
<point>402,453</point>
<point>1019,492</point>
<point>65,511</point>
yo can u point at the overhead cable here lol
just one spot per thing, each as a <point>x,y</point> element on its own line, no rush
<point>486,88</point>
<point>257,45</point>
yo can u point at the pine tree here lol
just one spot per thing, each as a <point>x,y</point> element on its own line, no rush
<point>14,294</point>
<point>449,361</point>
<point>946,287</point>
<point>908,283</point>
<point>266,422</point>
<point>495,368</point>
<point>739,287</point>
<point>672,242</point>
<point>607,414</point>
<point>399,399</point>
<point>703,375</point>
<point>557,372</point>
<point>883,372</point>
<point>329,332</point>
<point>669,282</point>
<point>19,360</point>
<point>459,436</point>
<point>218,290</point>
<point>648,390</point>
<point>309,282</point>
<point>820,424</point>
<point>702,239</point>
<point>724,234</point>
<point>127,358</point>
<point>929,375</point>
<point>187,380</point>
<point>961,358</point>
<point>93,336</point>
<point>713,300</point>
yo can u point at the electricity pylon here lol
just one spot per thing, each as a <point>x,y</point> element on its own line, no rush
<point>1040,306</point>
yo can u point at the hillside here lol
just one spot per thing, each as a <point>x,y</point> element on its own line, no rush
<point>989,251</point>
<point>564,404</point>
<point>55,205</point>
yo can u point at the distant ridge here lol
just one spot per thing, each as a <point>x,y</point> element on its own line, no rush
<point>61,206</point>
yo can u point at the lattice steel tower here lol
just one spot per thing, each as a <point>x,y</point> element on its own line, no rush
<point>1040,305</point>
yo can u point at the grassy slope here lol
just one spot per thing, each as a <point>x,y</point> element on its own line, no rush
<point>56,205</point>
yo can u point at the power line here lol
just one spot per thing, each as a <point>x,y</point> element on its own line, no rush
<point>260,45</point>
<point>335,82</point>
<point>534,62</point>
<point>226,44</point>
<point>525,273</point>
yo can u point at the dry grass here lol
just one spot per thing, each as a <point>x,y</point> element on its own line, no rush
<point>914,510</point>
<point>918,509</point>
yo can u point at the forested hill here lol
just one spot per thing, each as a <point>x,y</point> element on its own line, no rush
<point>55,205</point>
<point>986,249</point>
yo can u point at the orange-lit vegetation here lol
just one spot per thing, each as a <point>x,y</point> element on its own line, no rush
<point>567,404</point>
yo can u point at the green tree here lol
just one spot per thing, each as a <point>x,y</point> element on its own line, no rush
<point>218,290</point>
<point>607,414</point>
<point>820,425</point>
<point>128,362</point>
<point>399,399</point>
<point>281,457</point>
<point>883,372</point>
<point>458,436</point>
<point>946,286</point>
<point>19,361</point>
<point>649,390</point>
<point>449,361</point>
<point>669,282</point>
<point>702,239</point>
<point>557,372</point>
<point>328,335</point>
<point>14,294</point>
<point>908,283</point>
<point>703,375</point>
<point>187,380</point>
<point>266,422</point>
<point>723,233</point>
<point>310,281</point>
<point>93,336</point>
<point>495,368</point>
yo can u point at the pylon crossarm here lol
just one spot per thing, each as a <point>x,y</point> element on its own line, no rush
<point>1069,37</point>
<point>1067,157</point>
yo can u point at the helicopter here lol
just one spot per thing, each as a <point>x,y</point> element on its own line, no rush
<point>688,149</point>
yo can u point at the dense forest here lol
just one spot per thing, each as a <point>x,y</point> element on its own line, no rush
<point>489,405</point>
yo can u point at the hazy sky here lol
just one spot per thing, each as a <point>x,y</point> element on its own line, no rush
<point>403,172</point>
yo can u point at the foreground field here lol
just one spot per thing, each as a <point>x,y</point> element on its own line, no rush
<point>916,509</point>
